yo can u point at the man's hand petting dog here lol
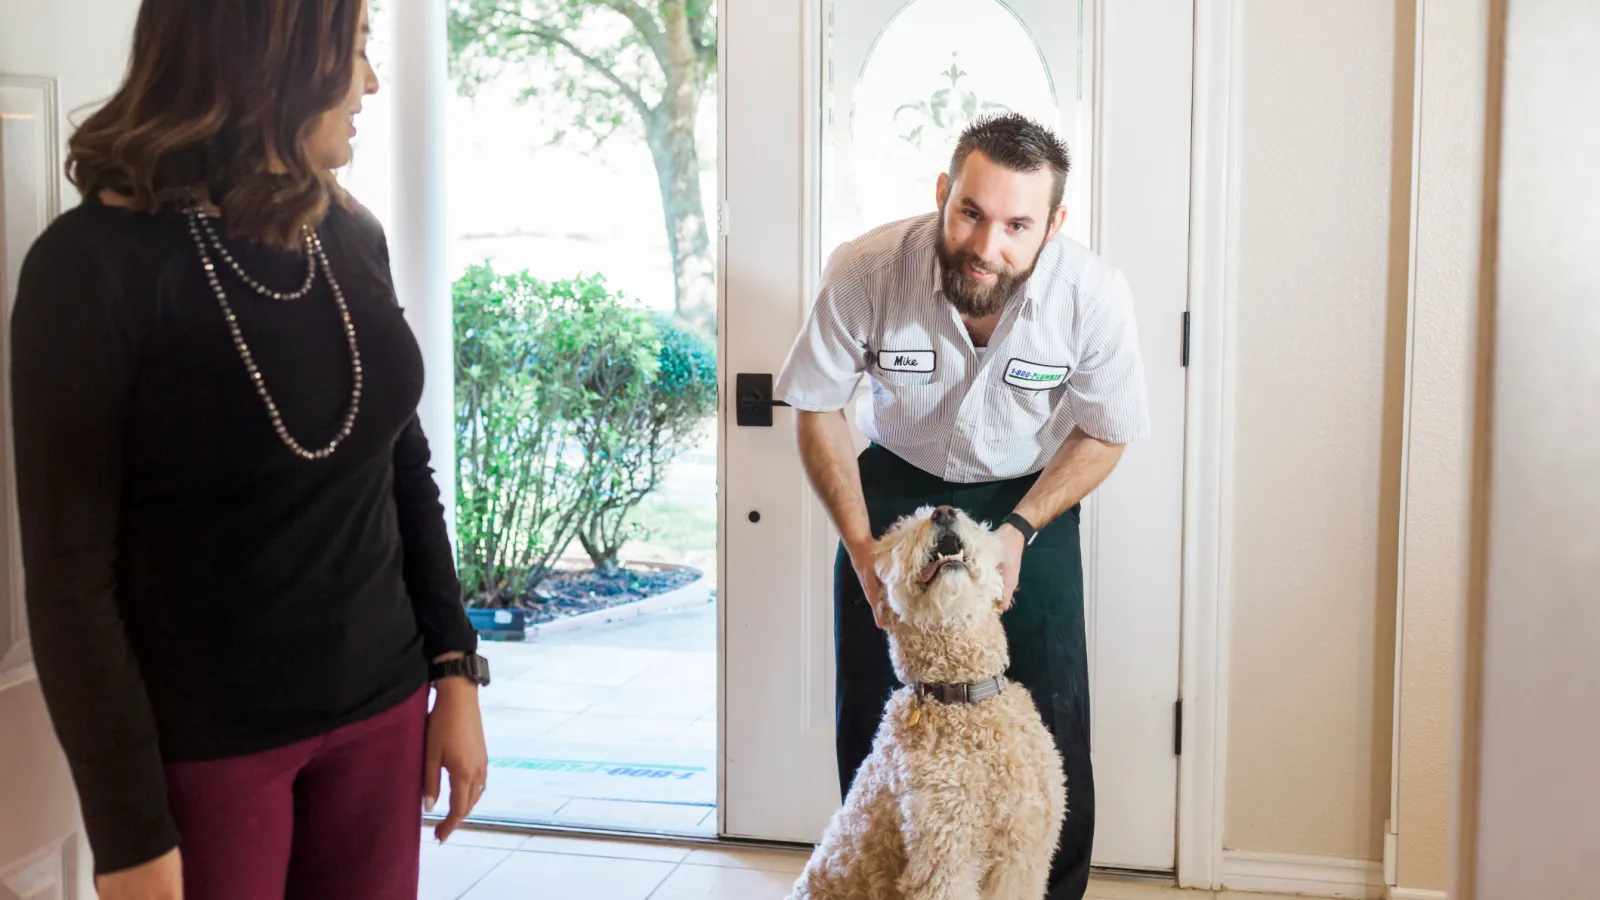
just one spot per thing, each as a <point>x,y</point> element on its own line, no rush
<point>1011,564</point>
<point>861,558</point>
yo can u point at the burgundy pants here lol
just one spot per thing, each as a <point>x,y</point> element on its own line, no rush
<point>339,816</point>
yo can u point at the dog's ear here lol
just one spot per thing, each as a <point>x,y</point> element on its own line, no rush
<point>889,553</point>
<point>883,556</point>
<point>883,552</point>
<point>988,553</point>
<point>895,556</point>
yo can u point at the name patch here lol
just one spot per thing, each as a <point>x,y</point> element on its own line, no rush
<point>906,360</point>
<point>1034,376</point>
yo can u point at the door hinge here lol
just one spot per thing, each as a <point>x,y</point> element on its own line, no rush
<point>722,219</point>
<point>1177,728</point>
<point>1185,360</point>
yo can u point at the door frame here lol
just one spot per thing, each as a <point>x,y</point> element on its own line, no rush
<point>1208,450</point>
<point>1215,160</point>
<point>16,653</point>
<point>1208,481</point>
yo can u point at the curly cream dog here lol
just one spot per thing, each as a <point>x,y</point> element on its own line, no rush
<point>957,799</point>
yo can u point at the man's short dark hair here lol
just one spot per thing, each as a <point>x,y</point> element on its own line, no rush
<point>1018,143</point>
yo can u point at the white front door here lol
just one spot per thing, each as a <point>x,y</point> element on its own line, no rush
<point>835,118</point>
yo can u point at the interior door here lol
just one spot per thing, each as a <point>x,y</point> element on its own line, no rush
<point>832,121</point>
<point>54,58</point>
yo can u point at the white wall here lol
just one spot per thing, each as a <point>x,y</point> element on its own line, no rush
<point>83,43</point>
<point>1530,816</point>
<point>1320,348</point>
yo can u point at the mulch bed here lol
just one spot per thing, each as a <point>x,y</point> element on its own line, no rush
<point>570,593</point>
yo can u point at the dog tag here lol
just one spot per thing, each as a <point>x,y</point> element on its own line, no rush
<point>916,713</point>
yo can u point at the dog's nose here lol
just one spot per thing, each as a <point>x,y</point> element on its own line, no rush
<point>944,515</point>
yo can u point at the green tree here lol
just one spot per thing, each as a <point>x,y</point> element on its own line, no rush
<point>623,65</point>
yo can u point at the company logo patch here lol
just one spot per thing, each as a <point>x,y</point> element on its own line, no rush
<point>1034,376</point>
<point>906,360</point>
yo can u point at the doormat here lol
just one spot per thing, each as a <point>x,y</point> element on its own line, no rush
<point>606,779</point>
<point>618,769</point>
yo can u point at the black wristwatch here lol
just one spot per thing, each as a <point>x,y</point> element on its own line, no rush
<point>472,667</point>
<point>1022,525</point>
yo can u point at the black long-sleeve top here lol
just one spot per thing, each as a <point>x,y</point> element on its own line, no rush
<point>195,590</point>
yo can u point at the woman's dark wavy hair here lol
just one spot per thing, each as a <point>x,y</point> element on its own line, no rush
<point>214,90</point>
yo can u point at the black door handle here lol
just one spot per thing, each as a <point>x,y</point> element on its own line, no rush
<point>753,401</point>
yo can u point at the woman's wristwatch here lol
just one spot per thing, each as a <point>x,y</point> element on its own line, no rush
<point>472,667</point>
<point>1023,525</point>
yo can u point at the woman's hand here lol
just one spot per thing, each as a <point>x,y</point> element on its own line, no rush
<point>455,743</point>
<point>158,879</point>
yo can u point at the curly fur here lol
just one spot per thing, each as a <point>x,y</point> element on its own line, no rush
<point>968,801</point>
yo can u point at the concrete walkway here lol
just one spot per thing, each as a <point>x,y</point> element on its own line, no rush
<point>608,727</point>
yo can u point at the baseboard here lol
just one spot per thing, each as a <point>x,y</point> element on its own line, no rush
<point>1313,876</point>
<point>19,675</point>
<point>1400,893</point>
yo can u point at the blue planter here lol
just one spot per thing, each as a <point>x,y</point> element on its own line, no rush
<point>499,624</point>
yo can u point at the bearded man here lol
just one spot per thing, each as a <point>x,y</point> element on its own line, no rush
<point>1006,380</point>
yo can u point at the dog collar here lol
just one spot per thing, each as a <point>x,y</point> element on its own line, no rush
<point>973,692</point>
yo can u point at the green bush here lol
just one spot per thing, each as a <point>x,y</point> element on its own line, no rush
<point>571,400</point>
<point>637,441</point>
<point>533,359</point>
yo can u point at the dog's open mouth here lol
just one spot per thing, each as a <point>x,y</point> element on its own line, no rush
<point>947,554</point>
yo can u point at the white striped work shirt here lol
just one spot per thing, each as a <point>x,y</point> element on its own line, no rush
<point>1066,356</point>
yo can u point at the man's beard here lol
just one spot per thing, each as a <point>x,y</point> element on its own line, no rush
<point>969,296</point>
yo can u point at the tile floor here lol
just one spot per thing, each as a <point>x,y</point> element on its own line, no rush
<point>490,866</point>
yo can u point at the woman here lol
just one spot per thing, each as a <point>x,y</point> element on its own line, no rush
<point>238,575</point>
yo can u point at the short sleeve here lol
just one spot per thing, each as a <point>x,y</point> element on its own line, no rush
<point>1106,395</point>
<point>829,355</point>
